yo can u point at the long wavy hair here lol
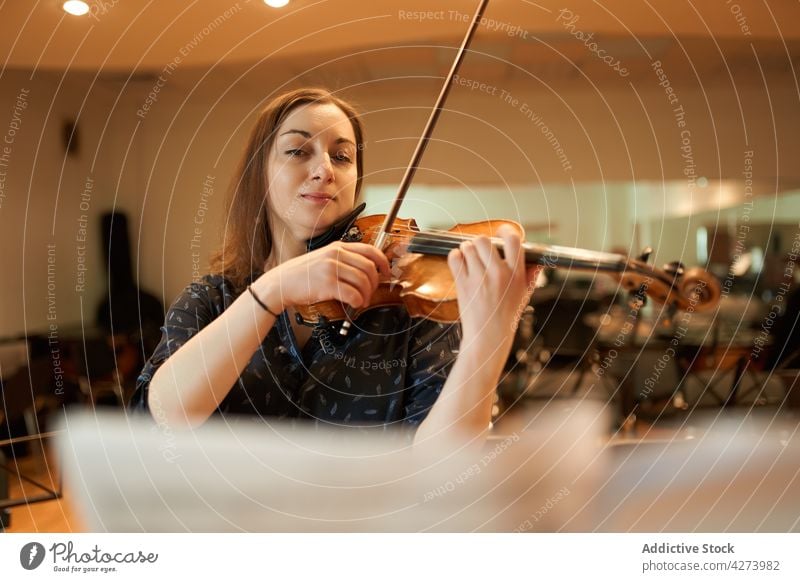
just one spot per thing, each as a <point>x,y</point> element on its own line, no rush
<point>247,241</point>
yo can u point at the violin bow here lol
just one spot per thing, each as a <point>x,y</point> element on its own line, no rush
<point>382,234</point>
<point>380,239</point>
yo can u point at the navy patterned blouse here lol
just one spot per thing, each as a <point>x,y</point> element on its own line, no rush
<point>388,371</point>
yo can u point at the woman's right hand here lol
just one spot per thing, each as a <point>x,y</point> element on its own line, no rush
<point>346,272</point>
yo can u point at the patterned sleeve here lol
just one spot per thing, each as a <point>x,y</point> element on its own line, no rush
<point>432,351</point>
<point>190,312</point>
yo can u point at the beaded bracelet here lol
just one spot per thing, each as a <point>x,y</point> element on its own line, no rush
<point>261,303</point>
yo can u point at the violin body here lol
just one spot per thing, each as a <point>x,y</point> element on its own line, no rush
<point>421,280</point>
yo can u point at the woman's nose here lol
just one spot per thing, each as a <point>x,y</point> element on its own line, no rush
<point>323,169</point>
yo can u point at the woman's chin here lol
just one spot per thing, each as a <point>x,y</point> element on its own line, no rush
<point>323,221</point>
<point>309,230</point>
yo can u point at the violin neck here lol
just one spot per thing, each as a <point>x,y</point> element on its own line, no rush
<point>558,257</point>
<point>551,256</point>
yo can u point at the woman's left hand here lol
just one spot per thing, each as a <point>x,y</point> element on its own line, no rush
<point>492,293</point>
<point>492,290</point>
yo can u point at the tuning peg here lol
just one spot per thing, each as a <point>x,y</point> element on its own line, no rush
<point>638,299</point>
<point>645,255</point>
<point>675,268</point>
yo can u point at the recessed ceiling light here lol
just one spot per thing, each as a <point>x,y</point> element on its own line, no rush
<point>76,7</point>
<point>276,3</point>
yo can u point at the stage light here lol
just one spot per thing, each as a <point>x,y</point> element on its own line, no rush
<point>76,7</point>
<point>276,3</point>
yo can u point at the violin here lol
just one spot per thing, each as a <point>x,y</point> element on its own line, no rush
<point>422,282</point>
<point>421,279</point>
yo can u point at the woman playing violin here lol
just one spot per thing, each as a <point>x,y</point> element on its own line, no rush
<point>231,343</point>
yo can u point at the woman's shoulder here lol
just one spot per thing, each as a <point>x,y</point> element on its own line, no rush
<point>209,282</point>
<point>212,289</point>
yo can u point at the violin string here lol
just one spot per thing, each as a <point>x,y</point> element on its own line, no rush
<point>438,235</point>
<point>432,232</point>
<point>443,240</point>
<point>580,258</point>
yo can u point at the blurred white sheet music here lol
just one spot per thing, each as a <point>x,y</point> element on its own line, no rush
<point>739,475</point>
<point>557,473</point>
<point>128,474</point>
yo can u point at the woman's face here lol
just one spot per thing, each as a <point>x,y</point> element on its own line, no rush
<point>311,171</point>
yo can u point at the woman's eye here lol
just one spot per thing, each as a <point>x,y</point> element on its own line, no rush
<point>294,153</point>
<point>342,157</point>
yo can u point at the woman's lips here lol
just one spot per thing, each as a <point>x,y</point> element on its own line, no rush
<point>317,197</point>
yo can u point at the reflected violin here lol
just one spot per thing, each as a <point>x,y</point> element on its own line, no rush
<point>421,280</point>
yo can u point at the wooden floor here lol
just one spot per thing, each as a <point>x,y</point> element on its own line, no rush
<point>56,516</point>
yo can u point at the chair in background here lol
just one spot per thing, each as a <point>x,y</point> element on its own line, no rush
<point>28,395</point>
<point>100,378</point>
<point>563,341</point>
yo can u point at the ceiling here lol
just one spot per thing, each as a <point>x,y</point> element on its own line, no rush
<point>519,37</point>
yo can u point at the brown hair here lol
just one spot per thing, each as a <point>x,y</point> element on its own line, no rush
<point>248,240</point>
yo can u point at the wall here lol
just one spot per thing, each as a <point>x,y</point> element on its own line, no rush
<point>52,203</point>
<point>168,166</point>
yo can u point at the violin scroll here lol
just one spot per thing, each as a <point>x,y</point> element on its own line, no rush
<point>701,288</point>
<point>693,289</point>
